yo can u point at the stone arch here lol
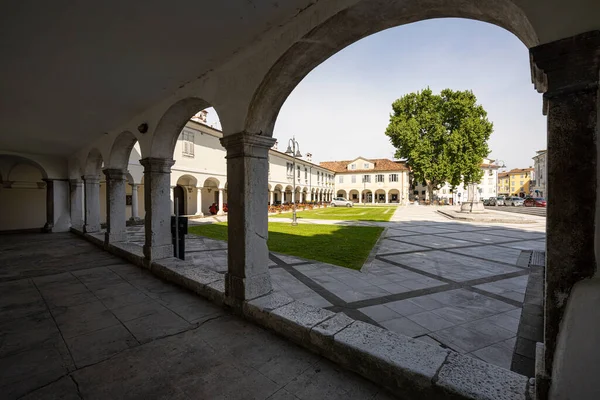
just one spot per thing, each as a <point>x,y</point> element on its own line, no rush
<point>11,162</point>
<point>121,149</point>
<point>394,196</point>
<point>360,20</point>
<point>23,194</point>
<point>171,124</point>
<point>366,196</point>
<point>354,195</point>
<point>379,196</point>
<point>341,193</point>
<point>93,163</point>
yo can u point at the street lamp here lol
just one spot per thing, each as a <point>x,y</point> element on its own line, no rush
<point>293,150</point>
<point>497,163</point>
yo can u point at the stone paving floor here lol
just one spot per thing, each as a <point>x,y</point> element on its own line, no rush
<point>456,284</point>
<point>77,322</point>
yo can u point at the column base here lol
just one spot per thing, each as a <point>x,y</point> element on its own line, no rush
<point>114,237</point>
<point>153,253</point>
<point>220,212</point>
<point>89,228</point>
<point>239,289</point>
<point>199,214</point>
<point>47,228</point>
<point>475,206</point>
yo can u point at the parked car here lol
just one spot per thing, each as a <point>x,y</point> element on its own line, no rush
<point>535,202</point>
<point>340,202</point>
<point>513,201</point>
<point>492,201</point>
<point>500,201</point>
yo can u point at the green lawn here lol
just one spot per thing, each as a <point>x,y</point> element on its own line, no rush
<point>356,213</point>
<point>346,246</point>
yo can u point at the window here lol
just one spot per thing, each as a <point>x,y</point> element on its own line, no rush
<point>353,166</point>
<point>393,177</point>
<point>341,179</point>
<point>353,178</point>
<point>366,166</point>
<point>305,173</point>
<point>298,171</point>
<point>422,192</point>
<point>521,183</point>
<point>318,177</point>
<point>490,172</point>
<point>416,192</point>
<point>379,178</point>
<point>290,170</point>
<point>188,143</point>
<point>490,181</point>
<point>367,178</point>
<point>444,191</point>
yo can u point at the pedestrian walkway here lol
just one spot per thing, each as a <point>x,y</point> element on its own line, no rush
<point>77,322</point>
<point>455,284</point>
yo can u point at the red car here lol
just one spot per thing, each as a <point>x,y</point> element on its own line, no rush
<point>535,202</point>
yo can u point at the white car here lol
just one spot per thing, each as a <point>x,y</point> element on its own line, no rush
<point>514,201</point>
<point>341,202</point>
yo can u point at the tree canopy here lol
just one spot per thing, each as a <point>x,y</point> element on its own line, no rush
<point>443,138</point>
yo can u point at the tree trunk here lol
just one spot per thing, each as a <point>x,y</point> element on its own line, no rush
<point>430,191</point>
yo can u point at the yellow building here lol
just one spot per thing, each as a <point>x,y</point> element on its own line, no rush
<point>515,182</point>
<point>503,184</point>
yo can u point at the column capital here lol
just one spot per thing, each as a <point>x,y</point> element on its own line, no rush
<point>91,178</point>
<point>247,144</point>
<point>75,182</point>
<point>114,174</point>
<point>568,65</point>
<point>134,185</point>
<point>152,164</point>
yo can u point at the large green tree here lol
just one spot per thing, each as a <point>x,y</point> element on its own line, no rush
<point>443,138</point>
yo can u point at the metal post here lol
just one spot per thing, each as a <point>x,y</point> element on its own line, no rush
<point>176,229</point>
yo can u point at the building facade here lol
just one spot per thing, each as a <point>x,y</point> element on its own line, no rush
<point>540,170</point>
<point>364,180</point>
<point>486,188</point>
<point>516,182</point>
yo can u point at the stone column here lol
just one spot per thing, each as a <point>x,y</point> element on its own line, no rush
<point>568,72</point>
<point>220,212</point>
<point>116,230</point>
<point>271,193</point>
<point>77,218</point>
<point>157,198</point>
<point>134,202</point>
<point>49,206</point>
<point>387,199</point>
<point>248,275</point>
<point>199,202</point>
<point>92,203</point>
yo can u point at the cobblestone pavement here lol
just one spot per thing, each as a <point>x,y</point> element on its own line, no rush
<point>77,322</point>
<point>455,284</point>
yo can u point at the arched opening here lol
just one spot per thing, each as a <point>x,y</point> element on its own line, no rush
<point>185,195</point>
<point>342,193</point>
<point>287,195</point>
<point>346,28</point>
<point>22,194</point>
<point>366,196</point>
<point>210,195</point>
<point>380,196</point>
<point>394,196</point>
<point>277,194</point>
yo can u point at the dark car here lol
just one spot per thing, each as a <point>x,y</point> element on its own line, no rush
<point>534,202</point>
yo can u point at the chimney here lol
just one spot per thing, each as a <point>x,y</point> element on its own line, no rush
<point>275,145</point>
<point>308,157</point>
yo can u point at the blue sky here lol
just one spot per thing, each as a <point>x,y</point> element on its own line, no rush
<point>341,109</point>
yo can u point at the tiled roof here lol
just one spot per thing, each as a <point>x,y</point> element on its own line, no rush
<point>502,175</point>
<point>519,170</point>
<point>380,164</point>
